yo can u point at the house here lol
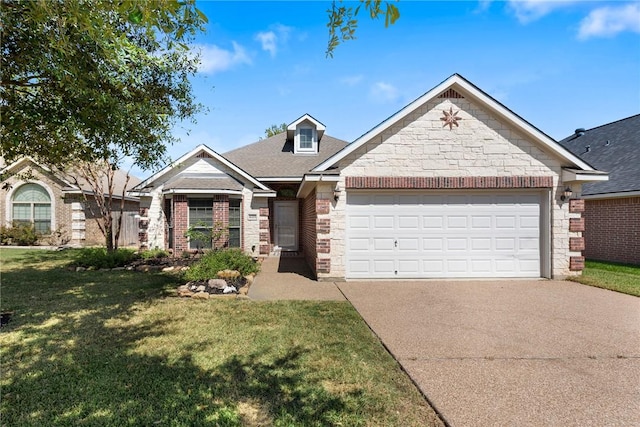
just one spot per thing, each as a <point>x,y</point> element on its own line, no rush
<point>55,205</point>
<point>452,185</point>
<point>612,208</point>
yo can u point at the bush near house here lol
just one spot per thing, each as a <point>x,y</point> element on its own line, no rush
<point>19,234</point>
<point>227,259</point>
<point>101,258</point>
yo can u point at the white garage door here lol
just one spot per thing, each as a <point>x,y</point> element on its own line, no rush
<point>409,235</point>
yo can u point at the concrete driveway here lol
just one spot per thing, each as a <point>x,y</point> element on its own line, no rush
<point>512,352</point>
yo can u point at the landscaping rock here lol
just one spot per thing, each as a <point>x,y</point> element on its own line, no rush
<point>80,269</point>
<point>185,293</point>
<point>201,288</point>
<point>170,268</point>
<point>200,295</point>
<point>217,283</point>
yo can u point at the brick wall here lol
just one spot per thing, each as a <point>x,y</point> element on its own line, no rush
<point>308,234</point>
<point>612,230</point>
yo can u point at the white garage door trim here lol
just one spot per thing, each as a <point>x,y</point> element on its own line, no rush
<point>447,234</point>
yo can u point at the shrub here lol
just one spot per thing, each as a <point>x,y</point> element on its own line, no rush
<point>227,259</point>
<point>153,254</point>
<point>19,235</point>
<point>100,258</point>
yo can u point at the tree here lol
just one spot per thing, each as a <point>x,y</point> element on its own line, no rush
<point>82,80</point>
<point>275,129</point>
<point>343,20</point>
<point>88,84</point>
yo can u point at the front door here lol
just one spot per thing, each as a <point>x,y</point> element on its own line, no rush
<point>286,224</point>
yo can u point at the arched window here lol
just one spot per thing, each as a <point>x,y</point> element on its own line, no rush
<point>31,204</point>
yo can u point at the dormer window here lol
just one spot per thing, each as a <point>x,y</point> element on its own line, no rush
<point>306,133</point>
<point>306,140</point>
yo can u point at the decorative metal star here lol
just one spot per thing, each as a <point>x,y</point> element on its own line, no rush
<point>450,118</point>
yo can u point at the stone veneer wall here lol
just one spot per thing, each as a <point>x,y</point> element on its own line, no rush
<point>613,230</point>
<point>480,148</point>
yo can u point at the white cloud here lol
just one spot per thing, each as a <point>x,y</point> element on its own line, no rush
<point>273,39</point>
<point>383,92</point>
<point>609,21</point>
<point>530,10</point>
<point>352,80</point>
<point>214,59</point>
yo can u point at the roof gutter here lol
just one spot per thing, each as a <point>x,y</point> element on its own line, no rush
<point>570,175</point>
<point>310,181</point>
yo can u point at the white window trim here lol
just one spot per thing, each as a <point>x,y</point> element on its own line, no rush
<point>314,145</point>
<point>9,202</point>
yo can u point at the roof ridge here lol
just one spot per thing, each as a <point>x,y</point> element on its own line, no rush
<point>613,122</point>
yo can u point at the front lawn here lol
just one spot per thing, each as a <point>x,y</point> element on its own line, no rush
<point>620,278</point>
<point>117,348</point>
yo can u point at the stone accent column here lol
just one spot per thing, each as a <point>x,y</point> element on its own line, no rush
<point>143,228</point>
<point>576,240</point>
<point>323,241</point>
<point>265,235</point>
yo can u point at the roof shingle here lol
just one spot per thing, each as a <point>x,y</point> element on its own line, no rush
<point>273,157</point>
<point>613,148</point>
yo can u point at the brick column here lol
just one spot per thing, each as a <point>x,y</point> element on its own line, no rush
<point>221,218</point>
<point>180,223</point>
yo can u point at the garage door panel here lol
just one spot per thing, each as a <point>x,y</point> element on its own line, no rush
<point>433,222</point>
<point>383,244</point>
<point>409,222</point>
<point>413,235</point>
<point>359,222</point>
<point>408,244</point>
<point>384,267</point>
<point>481,222</point>
<point>529,221</point>
<point>457,222</point>
<point>358,244</point>
<point>383,222</point>
<point>433,244</point>
<point>455,244</point>
<point>480,244</point>
<point>506,222</point>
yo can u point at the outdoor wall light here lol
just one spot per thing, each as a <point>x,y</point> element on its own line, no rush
<point>336,193</point>
<point>566,195</point>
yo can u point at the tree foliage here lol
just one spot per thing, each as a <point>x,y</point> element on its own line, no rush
<point>86,80</point>
<point>275,129</point>
<point>343,19</point>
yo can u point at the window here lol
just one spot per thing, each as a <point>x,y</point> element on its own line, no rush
<point>201,223</point>
<point>235,222</point>
<point>32,205</point>
<point>306,140</point>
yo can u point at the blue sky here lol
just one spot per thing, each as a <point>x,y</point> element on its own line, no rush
<point>559,64</point>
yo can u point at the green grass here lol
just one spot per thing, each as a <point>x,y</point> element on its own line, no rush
<point>616,277</point>
<point>117,348</point>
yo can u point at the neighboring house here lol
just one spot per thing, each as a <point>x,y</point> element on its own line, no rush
<point>32,193</point>
<point>453,185</point>
<point>612,215</point>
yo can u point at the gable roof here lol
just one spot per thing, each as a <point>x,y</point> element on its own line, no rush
<point>467,89</point>
<point>196,151</point>
<point>291,129</point>
<point>613,147</point>
<point>274,157</point>
<point>66,178</point>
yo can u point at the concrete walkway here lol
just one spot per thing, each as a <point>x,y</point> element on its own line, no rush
<point>290,278</point>
<point>512,353</point>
